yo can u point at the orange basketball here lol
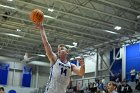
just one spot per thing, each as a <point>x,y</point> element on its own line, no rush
<point>37,16</point>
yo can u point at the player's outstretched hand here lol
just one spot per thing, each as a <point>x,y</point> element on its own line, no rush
<point>81,60</point>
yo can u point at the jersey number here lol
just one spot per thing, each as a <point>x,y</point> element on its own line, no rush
<point>63,71</point>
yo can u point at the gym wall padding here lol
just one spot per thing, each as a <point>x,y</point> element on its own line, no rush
<point>75,62</point>
<point>132,58</point>
<point>27,76</point>
<point>4,69</point>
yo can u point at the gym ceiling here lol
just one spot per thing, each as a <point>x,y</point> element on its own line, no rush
<point>92,24</point>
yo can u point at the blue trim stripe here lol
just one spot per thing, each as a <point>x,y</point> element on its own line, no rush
<point>51,72</point>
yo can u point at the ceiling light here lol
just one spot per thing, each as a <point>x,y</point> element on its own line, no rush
<point>74,43</point>
<point>51,10</point>
<point>110,32</point>
<point>40,63</point>
<point>14,35</point>
<point>10,0</point>
<point>18,30</point>
<point>49,17</point>
<point>85,55</point>
<point>42,55</point>
<point>7,7</point>
<point>117,27</point>
<point>138,17</point>
<point>71,59</point>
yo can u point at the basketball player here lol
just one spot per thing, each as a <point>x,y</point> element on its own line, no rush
<point>60,66</point>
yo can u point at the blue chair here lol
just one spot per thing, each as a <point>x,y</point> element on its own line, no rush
<point>12,91</point>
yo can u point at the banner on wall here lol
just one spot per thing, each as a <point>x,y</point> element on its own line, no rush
<point>4,69</point>
<point>26,76</point>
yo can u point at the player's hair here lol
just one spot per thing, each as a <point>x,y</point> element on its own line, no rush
<point>63,45</point>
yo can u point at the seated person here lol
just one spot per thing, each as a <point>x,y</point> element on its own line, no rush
<point>111,86</point>
<point>1,89</point>
<point>124,88</point>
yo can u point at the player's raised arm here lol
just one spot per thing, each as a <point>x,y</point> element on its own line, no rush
<point>37,16</point>
<point>48,49</point>
<point>79,70</point>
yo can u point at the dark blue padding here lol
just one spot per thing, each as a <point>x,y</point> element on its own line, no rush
<point>75,62</point>
<point>4,69</point>
<point>26,80</point>
<point>12,91</point>
<point>132,58</point>
<point>27,76</point>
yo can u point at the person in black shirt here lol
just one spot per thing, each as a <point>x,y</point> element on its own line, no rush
<point>138,85</point>
<point>124,88</point>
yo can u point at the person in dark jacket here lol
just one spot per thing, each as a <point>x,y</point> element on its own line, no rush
<point>138,85</point>
<point>124,88</point>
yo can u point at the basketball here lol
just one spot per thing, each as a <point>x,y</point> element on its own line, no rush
<point>37,16</point>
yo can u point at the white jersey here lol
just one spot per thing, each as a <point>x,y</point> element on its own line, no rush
<point>59,77</point>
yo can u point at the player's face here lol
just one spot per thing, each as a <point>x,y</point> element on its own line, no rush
<point>62,51</point>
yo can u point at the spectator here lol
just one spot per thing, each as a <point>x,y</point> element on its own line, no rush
<point>104,81</point>
<point>137,77</point>
<point>105,89</point>
<point>119,77</point>
<point>124,88</point>
<point>75,89</point>
<point>96,83</point>
<point>78,87</point>
<point>118,82</point>
<point>133,72</point>
<point>112,87</point>
<point>138,84</point>
<point>112,77</point>
<point>1,89</point>
<point>101,86</point>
